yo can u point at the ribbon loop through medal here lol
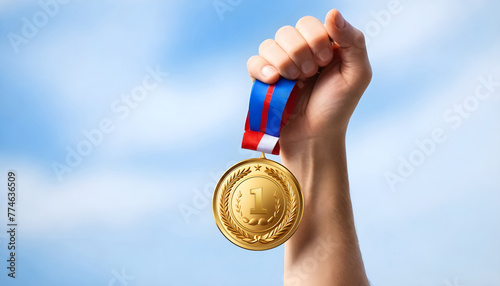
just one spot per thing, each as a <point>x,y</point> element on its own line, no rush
<point>270,108</point>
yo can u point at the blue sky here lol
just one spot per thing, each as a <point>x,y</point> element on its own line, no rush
<point>117,211</point>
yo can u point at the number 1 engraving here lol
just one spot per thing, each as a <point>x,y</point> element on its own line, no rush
<point>259,208</point>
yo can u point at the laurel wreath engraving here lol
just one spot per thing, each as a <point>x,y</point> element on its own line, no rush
<point>262,221</point>
<point>284,226</point>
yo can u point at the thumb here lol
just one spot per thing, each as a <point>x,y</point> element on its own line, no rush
<point>354,58</point>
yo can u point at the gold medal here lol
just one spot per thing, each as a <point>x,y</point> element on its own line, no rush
<point>258,204</point>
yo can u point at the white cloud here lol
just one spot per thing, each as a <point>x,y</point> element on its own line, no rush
<point>177,117</point>
<point>91,197</point>
<point>419,23</point>
<point>87,63</point>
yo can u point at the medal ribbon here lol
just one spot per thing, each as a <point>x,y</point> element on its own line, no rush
<point>269,110</point>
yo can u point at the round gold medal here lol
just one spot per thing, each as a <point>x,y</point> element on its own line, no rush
<point>258,204</point>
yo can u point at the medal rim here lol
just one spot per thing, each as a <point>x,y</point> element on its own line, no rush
<point>282,168</point>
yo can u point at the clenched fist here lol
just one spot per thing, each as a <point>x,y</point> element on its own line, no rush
<point>331,63</point>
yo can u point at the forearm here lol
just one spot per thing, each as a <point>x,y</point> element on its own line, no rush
<point>324,250</point>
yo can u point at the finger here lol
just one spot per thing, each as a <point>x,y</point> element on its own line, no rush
<point>352,43</point>
<point>292,42</point>
<point>316,36</point>
<point>276,56</point>
<point>260,69</point>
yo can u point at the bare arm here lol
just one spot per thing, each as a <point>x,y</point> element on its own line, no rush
<point>324,250</point>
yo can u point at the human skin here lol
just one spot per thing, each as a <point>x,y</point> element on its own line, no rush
<point>330,61</point>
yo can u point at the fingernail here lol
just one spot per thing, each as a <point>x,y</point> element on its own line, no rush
<point>268,71</point>
<point>339,21</point>
<point>293,71</point>
<point>325,54</point>
<point>308,67</point>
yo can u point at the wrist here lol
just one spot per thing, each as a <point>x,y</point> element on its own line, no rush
<point>314,151</point>
<point>317,162</point>
<point>320,166</point>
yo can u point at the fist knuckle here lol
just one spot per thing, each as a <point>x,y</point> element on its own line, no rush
<point>359,39</point>
<point>316,42</point>
<point>304,21</point>
<point>283,65</point>
<point>251,61</point>
<point>365,76</point>
<point>368,75</point>
<point>283,31</point>
<point>265,45</point>
<point>297,50</point>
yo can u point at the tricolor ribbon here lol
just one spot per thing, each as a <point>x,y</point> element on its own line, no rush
<point>269,110</point>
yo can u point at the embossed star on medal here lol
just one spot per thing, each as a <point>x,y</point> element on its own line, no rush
<point>258,203</point>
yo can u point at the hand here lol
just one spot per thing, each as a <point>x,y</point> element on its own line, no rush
<point>331,64</point>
